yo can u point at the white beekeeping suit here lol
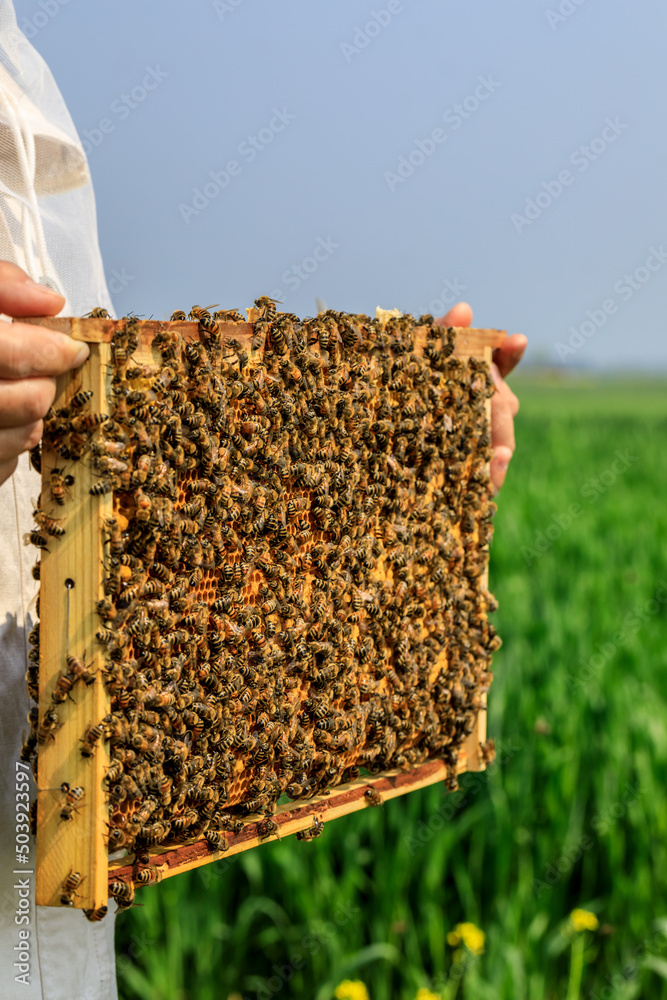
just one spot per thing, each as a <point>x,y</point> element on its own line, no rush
<point>47,227</point>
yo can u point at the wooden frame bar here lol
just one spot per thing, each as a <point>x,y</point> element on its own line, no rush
<point>72,570</point>
<point>291,818</point>
<point>71,580</point>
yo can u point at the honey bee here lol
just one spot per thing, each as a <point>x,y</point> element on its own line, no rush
<point>79,400</point>
<point>116,540</point>
<point>57,485</point>
<point>102,487</point>
<point>148,876</point>
<point>35,538</point>
<point>114,771</point>
<point>105,636</point>
<point>201,312</point>
<point>451,781</point>
<point>117,839</point>
<point>97,914</point>
<point>313,831</point>
<point>216,840</point>
<point>266,306</point>
<point>154,833</point>
<point>229,316</point>
<point>70,884</point>
<point>140,743</point>
<point>67,812</point>
<point>79,671</point>
<point>373,797</point>
<point>267,828</point>
<point>107,463</point>
<point>122,892</point>
<point>50,723</point>
<point>88,422</point>
<point>29,747</point>
<point>106,610</point>
<point>36,457</point>
<point>72,795</point>
<point>62,689</point>
<point>89,741</point>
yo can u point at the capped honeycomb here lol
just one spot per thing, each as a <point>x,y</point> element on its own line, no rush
<point>294,583</point>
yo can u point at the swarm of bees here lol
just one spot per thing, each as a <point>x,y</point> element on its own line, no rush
<point>294,584</point>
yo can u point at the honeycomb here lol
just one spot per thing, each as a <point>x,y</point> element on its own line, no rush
<point>295,580</point>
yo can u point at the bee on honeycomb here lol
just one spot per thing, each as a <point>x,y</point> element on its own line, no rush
<point>295,566</point>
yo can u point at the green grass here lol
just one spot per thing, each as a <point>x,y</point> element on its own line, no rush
<point>573,815</point>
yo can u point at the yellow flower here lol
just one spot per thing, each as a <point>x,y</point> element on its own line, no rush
<point>351,989</point>
<point>424,994</point>
<point>584,920</point>
<point>468,934</point>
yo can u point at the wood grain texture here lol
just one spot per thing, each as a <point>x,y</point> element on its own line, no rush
<point>470,341</point>
<point>69,622</point>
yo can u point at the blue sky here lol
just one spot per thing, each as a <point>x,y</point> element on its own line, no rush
<point>402,153</point>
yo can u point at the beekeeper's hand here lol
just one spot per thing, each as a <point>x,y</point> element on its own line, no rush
<point>30,358</point>
<point>504,405</point>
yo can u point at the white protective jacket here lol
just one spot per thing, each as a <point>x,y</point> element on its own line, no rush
<point>48,227</point>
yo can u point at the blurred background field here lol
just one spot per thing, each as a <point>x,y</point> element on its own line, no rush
<point>571,815</point>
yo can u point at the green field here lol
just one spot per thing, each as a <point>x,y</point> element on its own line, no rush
<point>572,815</point>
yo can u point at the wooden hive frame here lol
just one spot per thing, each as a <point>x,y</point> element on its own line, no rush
<point>71,583</point>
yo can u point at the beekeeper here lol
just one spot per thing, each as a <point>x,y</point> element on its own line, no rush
<point>50,263</point>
